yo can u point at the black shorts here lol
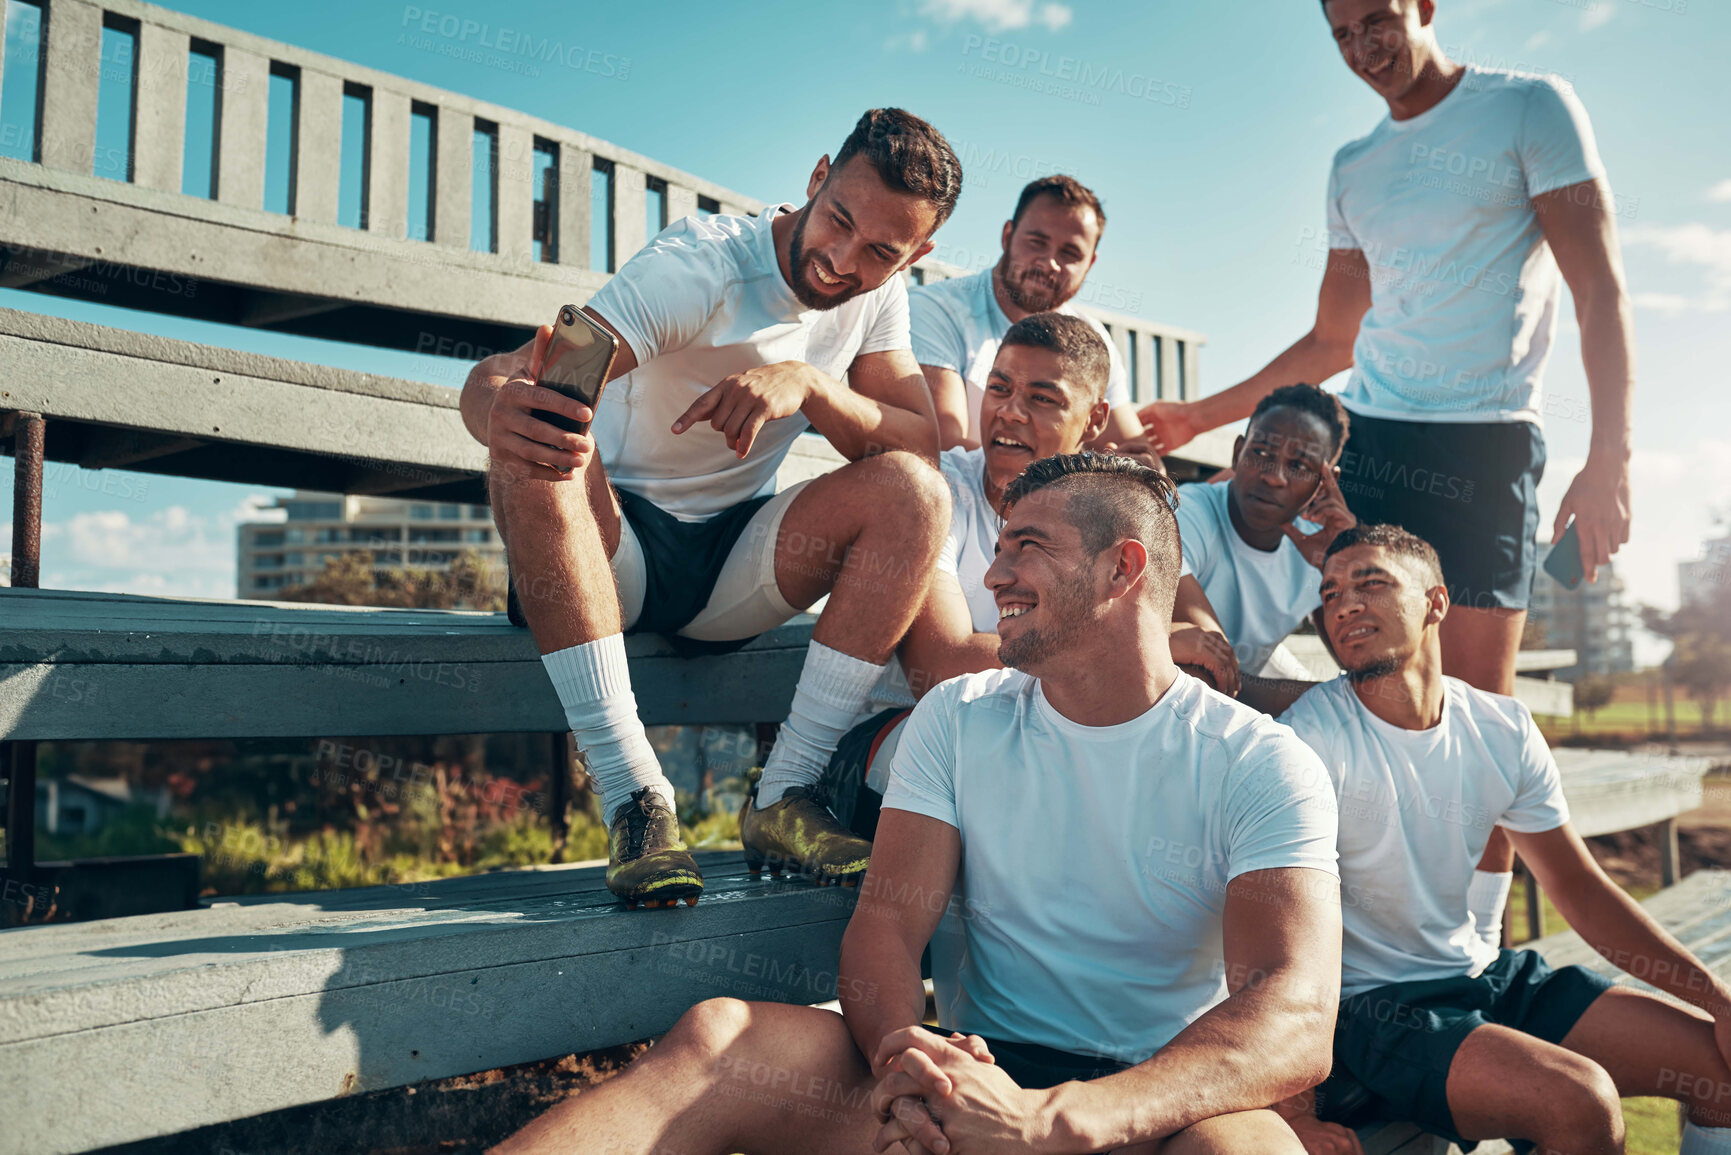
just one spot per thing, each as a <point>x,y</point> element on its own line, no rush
<point>855,804</point>
<point>1393,1045</point>
<point>681,562</point>
<point>1471,490</point>
<point>1035,1068</point>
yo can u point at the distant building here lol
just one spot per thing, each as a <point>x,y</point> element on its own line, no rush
<point>1592,619</point>
<point>1701,579</point>
<point>80,804</point>
<point>320,527</point>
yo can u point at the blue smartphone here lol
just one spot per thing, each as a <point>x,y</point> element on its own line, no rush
<point>1564,560</point>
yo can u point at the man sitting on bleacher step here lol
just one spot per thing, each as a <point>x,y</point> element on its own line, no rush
<point>1253,545</point>
<point>1045,395</point>
<point>1143,943</point>
<point>1049,246</point>
<point>1437,1026</point>
<point>734,336</point>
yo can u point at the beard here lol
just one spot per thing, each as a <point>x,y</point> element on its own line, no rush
<point>1067,611</point>
<point>1375,668</point>
<point>804,291</point>
<point>1027,290</point>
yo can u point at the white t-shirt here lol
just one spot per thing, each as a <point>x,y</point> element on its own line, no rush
<point>967,553</point>
<point>706,299</point>
<point>1416,809</point>
<point>974,526</point>
<point>1259,597</point>
<point>1464,289</point>
<point>957,324</point>
<point>1087,910</point>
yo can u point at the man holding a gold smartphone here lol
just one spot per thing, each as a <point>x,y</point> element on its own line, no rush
<point>735,334</point>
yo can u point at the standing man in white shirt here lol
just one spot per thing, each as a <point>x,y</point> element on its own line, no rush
<point>1141,962</point>
<point>1436,1024</point>
<point>1452,228</point>
<point>1049,246</point>
<point>735,334</point>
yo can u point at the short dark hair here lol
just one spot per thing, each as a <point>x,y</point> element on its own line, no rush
<point>1075,342</point>
<point>1113,498</point>
<point>1067,189</point>
<point>1397,540</point>
<point>909,155</point>
<point>1319,403</point>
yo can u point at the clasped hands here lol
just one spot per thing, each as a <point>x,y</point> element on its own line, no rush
<point>948,1097</point>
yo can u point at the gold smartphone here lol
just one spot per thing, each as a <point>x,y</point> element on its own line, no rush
<point>579,357</point>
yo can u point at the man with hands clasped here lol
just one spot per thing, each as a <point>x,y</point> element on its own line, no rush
<point>1142,960</point>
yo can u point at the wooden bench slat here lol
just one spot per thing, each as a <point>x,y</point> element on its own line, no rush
<point>211,1015</point>
<point>112,667</point>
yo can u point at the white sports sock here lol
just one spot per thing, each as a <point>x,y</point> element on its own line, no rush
<point>833,688</point>
<point>1705,1140</point>
<point>594,685</point>
<point>1487,895</point>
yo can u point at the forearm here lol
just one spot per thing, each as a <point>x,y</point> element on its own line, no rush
<point>858,426</point>
<point>1607,352</point>
<point>1258,1047</point>
<point>928,661</point>
<point>1309,359</point>
<point>879,987</point>
<point>1626,936</point>
<point>476,400</point>
<point>1271,695</point>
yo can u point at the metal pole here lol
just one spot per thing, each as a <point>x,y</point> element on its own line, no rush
<point>27,450</point>
<point>559,796</point>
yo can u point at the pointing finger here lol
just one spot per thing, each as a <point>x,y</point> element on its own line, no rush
<point>701,408</point>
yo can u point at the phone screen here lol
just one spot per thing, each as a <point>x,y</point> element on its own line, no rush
<point>578,358</point>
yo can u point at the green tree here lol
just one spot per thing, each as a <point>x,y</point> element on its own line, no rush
<point>1700,660</point>
<point>1593,692</point>
<point>351,579</point>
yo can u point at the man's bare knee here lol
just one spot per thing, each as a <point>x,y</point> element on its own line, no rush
<point>1263,1132</point>
<point>708,1031</point>
<point>1586,1108</point>
<point>904,484</point>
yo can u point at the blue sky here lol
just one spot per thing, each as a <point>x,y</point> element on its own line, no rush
<point>1211,157</point>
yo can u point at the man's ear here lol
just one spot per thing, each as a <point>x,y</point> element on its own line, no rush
<point>819,174</point>
<point>1130,568</point>
<point>1237,448</point>
<point>1438,608</point>
<point>918,253</point>
<point>1097,418</point>
<point>1004,236</point>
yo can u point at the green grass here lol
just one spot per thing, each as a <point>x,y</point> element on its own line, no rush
<point>1653,1126</point>
<point>1652,1123</point>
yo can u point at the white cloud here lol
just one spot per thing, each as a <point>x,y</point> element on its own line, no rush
<point>1670,304</point>
<point>1000,15</point>
<point>1721,192</point>
<point>916,41</point>
<point>1596,16</point>
<point>1537,40</point>
<point>173,550</point>
<point>1693,244</point>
